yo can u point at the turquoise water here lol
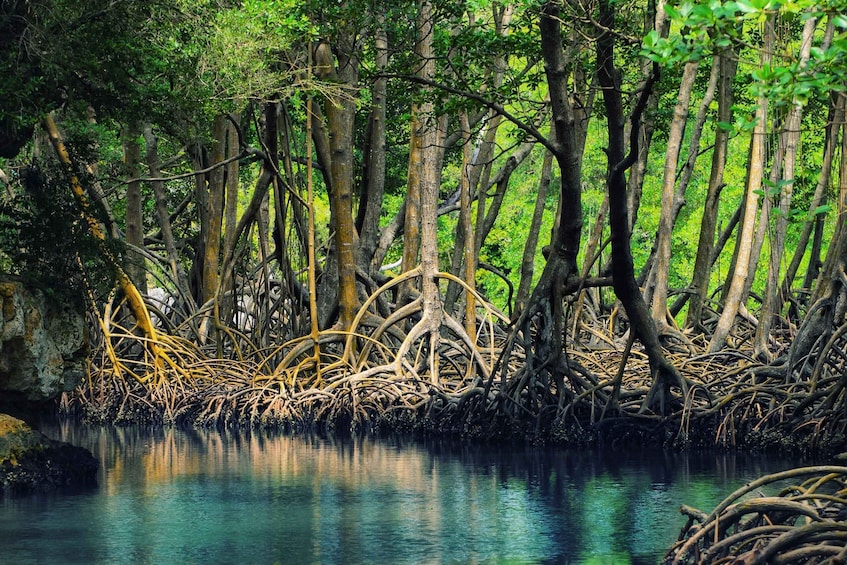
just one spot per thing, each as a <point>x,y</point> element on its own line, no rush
<point>174,496</point>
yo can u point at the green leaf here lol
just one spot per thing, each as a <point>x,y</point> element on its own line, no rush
<point>746,6</point>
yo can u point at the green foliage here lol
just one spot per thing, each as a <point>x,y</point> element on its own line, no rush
<point>254,48</point>
<point>44,239</point>
<point>707,27</point>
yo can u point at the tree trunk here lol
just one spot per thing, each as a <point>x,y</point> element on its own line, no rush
<point>373,177</point>
<point>833,270</point>
<point>530,248</point>
<point>231,201</point>
<point>214,212</point>
<point>655,19</point>
<point>340,112</point>
<point>465,227</point>
<point>430,133</point>
<point>162,213</point>
<point>661,265</point>
<point>541,322</point>
<point>772,305</point>
<point>134,210</point>
<point>412,220</point>
<point>748,222</point>
<point>664,375</point>
<point>683,178</point>
<point>815,220</point>
<point>703,262</point>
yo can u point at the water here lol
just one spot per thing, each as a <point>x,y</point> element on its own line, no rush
<point>173,496</point>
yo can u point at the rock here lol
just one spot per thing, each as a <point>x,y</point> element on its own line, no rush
<point>43,345</point>
<point>32,462</point>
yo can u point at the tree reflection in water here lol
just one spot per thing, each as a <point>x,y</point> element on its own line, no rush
<point>208,496</point>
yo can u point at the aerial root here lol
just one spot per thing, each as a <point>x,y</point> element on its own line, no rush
<point>403,368</point>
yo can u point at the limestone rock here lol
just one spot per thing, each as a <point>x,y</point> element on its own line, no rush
<point>30,461</point>
<point>42,344</point>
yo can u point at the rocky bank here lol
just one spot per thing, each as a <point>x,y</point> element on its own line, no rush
<point>43,349</point>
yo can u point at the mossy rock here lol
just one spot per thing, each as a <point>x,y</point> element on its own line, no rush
<point>30,461</point>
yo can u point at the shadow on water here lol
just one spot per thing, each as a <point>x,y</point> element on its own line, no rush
<point>198,496</point>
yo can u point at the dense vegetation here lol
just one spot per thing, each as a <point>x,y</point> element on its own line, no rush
<point>558,221</point>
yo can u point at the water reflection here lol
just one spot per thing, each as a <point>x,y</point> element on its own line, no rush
<point>174,496</point>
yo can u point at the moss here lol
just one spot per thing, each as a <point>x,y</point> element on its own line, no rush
<point>16,438</point>
<point>30,461</point>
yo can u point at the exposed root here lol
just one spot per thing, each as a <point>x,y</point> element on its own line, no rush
<point>802,522</point>
<point>398,370</point>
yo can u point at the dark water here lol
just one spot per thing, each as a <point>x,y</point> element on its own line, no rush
<point>171,496</point>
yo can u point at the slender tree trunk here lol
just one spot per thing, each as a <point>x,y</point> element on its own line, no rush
<point>655,19</point>
<point>703,261</point>
<point>231,201</point>
<point>531,246</point>
<point>661,266</point>
<point>431,138</point>
<point>748,223</point>
<point>411,224</point>
<point>214,212</point>
<point>566,242</point>
<point>664,375</point>
<point>134,209</point>
<point>340,113</point>
<point>815,220</point>
<point>541,322</point>
<point>763,230</point>
<point>687,169</point>
<point>772,305</point>
<point>214,222</point>
<point>833,270</point>
<point>162,213</point>
<point>373,178</point>
<point>465,227</point>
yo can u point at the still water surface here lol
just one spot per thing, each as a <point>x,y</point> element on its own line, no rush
<point>175,496</point>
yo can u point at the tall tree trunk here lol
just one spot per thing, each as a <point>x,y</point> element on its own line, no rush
<point>231,200</point>
<point>214,210</point>
<point>546,346</point>
<point>685,173</point>
<point>373,178</point>
<point>664,375</point>
<point>829,297</point>
<point>531,245</point>
<point>214,222</point>
<point>772,305</point>
<point>661,266</point>
<point>465,227</point>
<point>835,116</point>
<point>833,270</point>
<point>430,132</point>
<point>655,19</point>
<point>134,209</point>
<point>163,214</point>
<point>340,112</point>
<point>748,222</point>
<point>411,223</point>
<point>703,261</point>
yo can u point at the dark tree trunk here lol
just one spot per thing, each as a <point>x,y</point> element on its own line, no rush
<point>626,288</point>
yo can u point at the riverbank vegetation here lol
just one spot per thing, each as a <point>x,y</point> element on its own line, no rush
<point>556,222</point>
